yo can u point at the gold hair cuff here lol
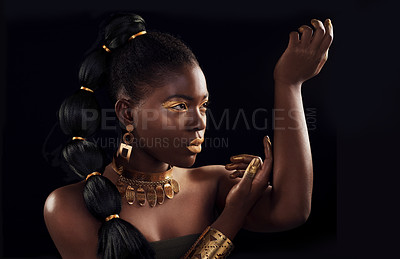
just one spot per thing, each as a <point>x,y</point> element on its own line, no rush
<point>107,49</point>
<point>137,34</point>
<point>78,138</point>
<point>94,173</point>
<point>87,89</point>
<point>211,244</point>
<point>115,216</point>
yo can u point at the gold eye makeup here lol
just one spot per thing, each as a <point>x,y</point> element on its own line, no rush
<point>175,106</point>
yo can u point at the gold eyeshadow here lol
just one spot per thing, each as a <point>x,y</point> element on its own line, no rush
<point>171,104</point>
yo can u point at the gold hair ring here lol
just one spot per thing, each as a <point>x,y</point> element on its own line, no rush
<point>137,34</point>
<point>79,138</point>
<point>87,89</point>
<point>94,173</point>
<point>107,49</point>
<point>115,216</point>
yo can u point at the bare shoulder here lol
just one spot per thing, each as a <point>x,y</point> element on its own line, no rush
<point>209,172</point>
<point>71,226</point>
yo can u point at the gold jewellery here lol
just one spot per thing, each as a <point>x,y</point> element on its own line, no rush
<point>130,38</point>
<point>125,148</point>
<point>142,187</point>
<point>212,243</point>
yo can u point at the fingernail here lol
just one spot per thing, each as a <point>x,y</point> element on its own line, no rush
<point>267,139</point>
<point>329,22</point>
<point>251,170</point>
<point>301,29</point>
<point>314,22</point>
<point>230,165</point>
<point>237,159</point>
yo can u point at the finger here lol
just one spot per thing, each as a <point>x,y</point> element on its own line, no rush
<point>245,158</point>
<point>294,39</point>
<point>322,62</point>
<point>250,173</point>
<point>319,33</point>
<point>236,174</point>
<point>306,34</point>
<point>238,166</point>
<point>328,37</point>
<point>261,180</point>
<point>267,148</point>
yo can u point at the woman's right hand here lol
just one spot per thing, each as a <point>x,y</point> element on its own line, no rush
<point>245,193</point>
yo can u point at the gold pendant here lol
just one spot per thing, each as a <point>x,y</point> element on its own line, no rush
<point>151,196</point>
<point>125,151</point>
<point>175,185</point>
<point>130,195</point>
<point>168,191</point>
<point>160,194</point>
<point>141,196</point>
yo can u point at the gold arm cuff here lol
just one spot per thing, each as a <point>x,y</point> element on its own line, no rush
<point>211,244</point>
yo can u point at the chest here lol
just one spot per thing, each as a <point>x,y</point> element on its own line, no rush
<point>189,211</point>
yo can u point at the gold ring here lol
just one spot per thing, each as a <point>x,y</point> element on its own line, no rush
<point>107,49</point>
<point>137,34</point>
<point>115,216</point>
<point>87,89</point>
<point>94,173</point>
<point>79,138</point>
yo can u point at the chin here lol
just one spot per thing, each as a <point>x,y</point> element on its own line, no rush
<point>184,161</point>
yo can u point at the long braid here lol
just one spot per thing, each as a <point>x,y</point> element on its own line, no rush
<point>130,66</point>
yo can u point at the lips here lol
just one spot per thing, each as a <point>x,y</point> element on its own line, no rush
<point>195,145</point>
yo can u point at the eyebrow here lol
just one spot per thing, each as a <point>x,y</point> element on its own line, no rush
<point>189,98</point>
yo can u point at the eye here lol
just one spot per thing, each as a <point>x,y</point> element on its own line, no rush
<point>179,107</point>
<point>206,105</point>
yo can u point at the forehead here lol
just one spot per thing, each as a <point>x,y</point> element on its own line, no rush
<point>188,81</point>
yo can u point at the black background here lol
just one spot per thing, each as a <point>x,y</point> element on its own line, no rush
<point>237,44</point>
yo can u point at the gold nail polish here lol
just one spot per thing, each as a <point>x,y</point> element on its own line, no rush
<point>251,170</point>
<point>237,159</point>
<point>329,22</point>
<point>301,29</point>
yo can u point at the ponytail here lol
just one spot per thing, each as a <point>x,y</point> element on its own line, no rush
<point>127,60</point>
<point>79,117</point>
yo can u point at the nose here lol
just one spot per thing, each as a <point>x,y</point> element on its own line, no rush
<point>197,120</point>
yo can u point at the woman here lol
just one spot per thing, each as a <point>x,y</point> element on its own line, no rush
<point>147,202</point>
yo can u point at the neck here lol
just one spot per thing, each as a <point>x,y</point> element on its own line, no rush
<point>141,161</point>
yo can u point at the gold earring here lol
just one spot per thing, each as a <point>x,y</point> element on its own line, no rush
<point>125,149</point>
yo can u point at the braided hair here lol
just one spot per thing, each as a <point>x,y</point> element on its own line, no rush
<point>126,66</point>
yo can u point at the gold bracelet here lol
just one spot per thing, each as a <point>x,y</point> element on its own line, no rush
<point>211,244</point>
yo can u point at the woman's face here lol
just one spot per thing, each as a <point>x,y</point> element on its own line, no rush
<point>172,117</point>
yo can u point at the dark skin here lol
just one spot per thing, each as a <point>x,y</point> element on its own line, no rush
<point>256,205</point>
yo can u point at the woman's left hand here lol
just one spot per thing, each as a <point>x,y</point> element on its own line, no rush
<point>306,55</point>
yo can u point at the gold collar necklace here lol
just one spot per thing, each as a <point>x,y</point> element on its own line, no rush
<point>140,186</point>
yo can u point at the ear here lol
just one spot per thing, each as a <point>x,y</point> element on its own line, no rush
<point>124,110</point>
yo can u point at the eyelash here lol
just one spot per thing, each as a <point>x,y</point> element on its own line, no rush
<point>206,105</point>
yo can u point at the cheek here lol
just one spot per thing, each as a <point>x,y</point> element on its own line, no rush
<point>164,136</point>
